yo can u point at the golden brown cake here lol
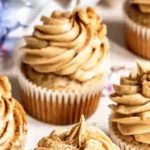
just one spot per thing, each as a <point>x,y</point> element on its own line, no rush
<point>137,26</point>
<point>130,119</point>
<point>79,137</point>
<point>65,66</point>
<point>13,123</point>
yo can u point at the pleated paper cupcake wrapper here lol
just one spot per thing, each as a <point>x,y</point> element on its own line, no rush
<point>121,143</point>
<point>138,37</point>
<point>58,107</point>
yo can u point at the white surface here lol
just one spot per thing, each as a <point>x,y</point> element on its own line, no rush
<point>119,56</point>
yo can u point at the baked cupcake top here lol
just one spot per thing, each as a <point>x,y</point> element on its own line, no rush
<point>13,125</point>
<point>132,111</point>
<point>73,45</point>
<point>138,11</point>
<point>144,5</point>
<point>79,137</point>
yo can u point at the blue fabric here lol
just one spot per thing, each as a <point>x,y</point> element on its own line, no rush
<point>9,22</point>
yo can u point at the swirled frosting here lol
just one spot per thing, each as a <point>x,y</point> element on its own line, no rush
<point>132,112</point>
<point>73,45</point>
<point>80,137</point>
<point>144,5</point>
<point>12,119</point>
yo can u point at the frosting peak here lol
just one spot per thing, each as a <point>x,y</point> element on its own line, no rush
<point>77,134</point>
<point>144,5</point>
<point>80,137</point>
<point>142,68</point>
<point>68,44</point>
<point>132,112</point>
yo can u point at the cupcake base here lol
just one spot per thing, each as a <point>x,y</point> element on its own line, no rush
<point>59,106</point>
<point>60,113</point>
<point>137,38</point>
<point>125,142</point>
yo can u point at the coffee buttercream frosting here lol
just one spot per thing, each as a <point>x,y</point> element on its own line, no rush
<point>13,125</point>
<point>132,111</point>
<point>73,45</point>
<point>81,137</point>
<point>144,5</point>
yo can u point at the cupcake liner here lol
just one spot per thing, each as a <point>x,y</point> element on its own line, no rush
<point>124,145</point>
<point>58,106</point>
<point>137,37</point>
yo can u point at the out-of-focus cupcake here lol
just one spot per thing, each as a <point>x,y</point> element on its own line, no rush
<point>64,67</point>
<point>130,119</point>
<point>79,137</point>
<point>13,123</point>
<point>137,26</point>
<point>110,3</point>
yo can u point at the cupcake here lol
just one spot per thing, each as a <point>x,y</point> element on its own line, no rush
<point>137,26</point>
<point>13,123</point>
<point>110,3</point>
<point>130,118</point>
<point>64,66</point>
<point>79,137</point>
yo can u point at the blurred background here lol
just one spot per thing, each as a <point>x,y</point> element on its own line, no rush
<point>15,17</point>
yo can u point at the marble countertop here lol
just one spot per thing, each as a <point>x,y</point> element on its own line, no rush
<point>119,55</point>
